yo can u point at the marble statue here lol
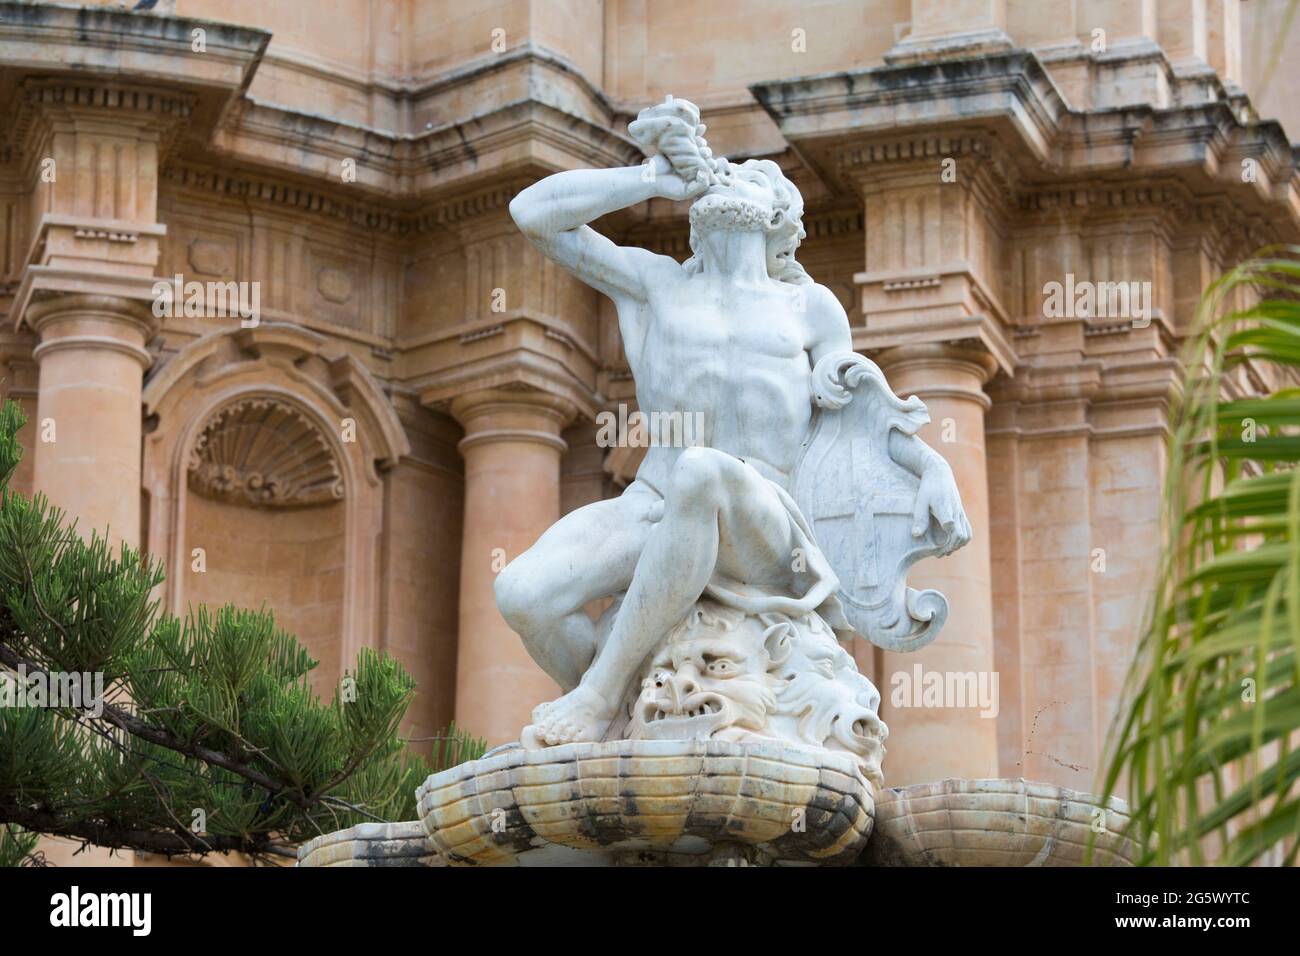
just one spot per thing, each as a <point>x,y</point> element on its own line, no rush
<point>737,564</point>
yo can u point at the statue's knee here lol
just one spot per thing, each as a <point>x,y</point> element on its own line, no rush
<point>516,598</point>
<point>698,476</point>
<point>526,600</point>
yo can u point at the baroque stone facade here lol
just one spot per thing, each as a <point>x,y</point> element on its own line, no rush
<point>372,392</point>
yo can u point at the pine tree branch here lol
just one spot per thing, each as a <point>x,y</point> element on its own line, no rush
<point>132,725</point>
<point>126,838</point>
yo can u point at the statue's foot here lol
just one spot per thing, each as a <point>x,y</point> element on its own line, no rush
<point>580,715</point>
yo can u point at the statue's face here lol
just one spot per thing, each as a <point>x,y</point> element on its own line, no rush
<point>708,679</point>
<point>743,200</point>
<point>744,184</point>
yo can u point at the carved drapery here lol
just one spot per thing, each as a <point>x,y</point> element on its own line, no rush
<point>262,451</point>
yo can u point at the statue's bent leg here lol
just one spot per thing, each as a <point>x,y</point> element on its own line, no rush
<point>590,553</point>
<point>718,514</point>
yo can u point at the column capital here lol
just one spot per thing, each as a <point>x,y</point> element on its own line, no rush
<point>951,369</point>
<point>970,357</point>
<point>88,104</point>
<point>512,414</point>
<point>92,322</point>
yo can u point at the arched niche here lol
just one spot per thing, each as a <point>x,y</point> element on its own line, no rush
<point>270,444</point>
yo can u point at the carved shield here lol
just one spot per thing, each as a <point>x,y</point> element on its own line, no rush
<point>859,503</point>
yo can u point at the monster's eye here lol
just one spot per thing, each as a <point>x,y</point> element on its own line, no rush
<point>722,667</point>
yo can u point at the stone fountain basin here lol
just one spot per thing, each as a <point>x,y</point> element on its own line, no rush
<point>692,802</point>
<point>650,801</point>
<point>996,822</point>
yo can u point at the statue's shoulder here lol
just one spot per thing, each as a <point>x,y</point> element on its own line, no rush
<point>658,267</point>
<point>821,295</point>
<point>823,308</point>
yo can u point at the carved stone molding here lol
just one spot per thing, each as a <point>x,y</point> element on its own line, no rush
<point>46,105</point>
<point>82,47</point>
<point>514,411</point>
<point>276,354</point>
<point>262,451</point>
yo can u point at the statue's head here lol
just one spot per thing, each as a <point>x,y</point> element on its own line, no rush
<point>753,196</point>
<point>723,674</point>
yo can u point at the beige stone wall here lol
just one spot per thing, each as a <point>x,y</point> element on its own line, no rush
<point>1268,57</point>
<point>288,559</point>
<point>421,580</point>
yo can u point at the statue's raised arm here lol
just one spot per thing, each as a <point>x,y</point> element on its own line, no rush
<point>554,212</point>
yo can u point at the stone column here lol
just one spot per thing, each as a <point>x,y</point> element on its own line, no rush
<point>512,449</point>
<point>87,434</point>
<point>950,380</point>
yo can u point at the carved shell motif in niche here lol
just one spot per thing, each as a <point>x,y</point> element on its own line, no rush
<point>264,452</point>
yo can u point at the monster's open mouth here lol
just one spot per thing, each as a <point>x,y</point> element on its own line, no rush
<point>698,715</point>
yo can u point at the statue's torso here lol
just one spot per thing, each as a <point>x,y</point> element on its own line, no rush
<point>737,357</point>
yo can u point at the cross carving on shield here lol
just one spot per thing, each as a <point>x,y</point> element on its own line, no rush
<point>859,502</point>
<point>851,518</point>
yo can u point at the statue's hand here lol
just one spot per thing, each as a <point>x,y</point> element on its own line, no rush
<point>670,184</point>
<point>671,132</point>
<point>938,496</point>
<point>827,384</point>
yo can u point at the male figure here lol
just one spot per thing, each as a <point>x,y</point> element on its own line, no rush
<point>733,333</point>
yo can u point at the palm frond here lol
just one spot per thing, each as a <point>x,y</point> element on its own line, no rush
<point>1206,740</point>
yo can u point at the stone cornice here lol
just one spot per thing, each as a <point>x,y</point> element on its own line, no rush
<point>527,111</point>
<point>107,44</point>
<point>518,135</point>
<point>1108,398</point>
<point>516,353</point>
<point>407,91</point>
<point>530,55</point>
<point>1010,92</point>
<point>271,191</point>
<point>857,123</point>
<point>276,191</point>
<point>45,105</point>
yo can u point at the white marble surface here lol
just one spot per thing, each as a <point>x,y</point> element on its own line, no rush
<point>798,509</point>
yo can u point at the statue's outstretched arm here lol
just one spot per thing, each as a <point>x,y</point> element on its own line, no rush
<point>938,495</point>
